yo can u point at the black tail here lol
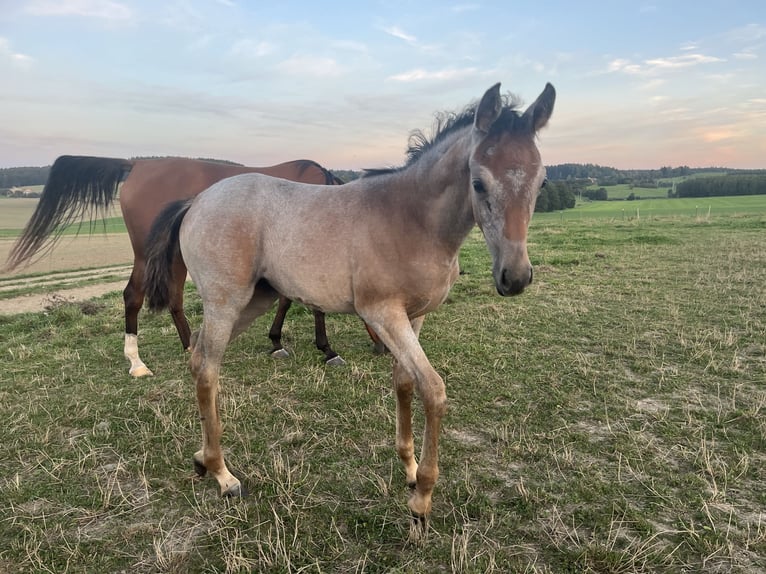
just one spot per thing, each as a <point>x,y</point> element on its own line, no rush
<point>329,177</point>
<point>77,186</point>
<point>162,249</point>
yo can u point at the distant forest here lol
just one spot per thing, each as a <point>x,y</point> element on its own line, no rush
<point>565,181</point>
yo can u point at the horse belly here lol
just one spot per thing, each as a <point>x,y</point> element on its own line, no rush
<point>314,282</point>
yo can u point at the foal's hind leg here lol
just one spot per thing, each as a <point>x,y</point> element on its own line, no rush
<point>220,325</point>
<point>205,365</point>
<point>133,297</point>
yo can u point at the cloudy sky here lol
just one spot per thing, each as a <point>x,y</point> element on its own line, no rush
<point>640,83</point>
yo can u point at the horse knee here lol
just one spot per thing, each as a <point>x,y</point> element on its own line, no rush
<point>434,399</point>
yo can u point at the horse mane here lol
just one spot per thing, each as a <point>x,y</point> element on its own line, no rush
<point>447,123</point>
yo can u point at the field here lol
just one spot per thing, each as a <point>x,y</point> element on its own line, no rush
<point>698,208</point>
<point>611,419</point>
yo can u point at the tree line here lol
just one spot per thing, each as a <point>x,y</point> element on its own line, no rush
<point>749,184</point>
<point>23,176</point>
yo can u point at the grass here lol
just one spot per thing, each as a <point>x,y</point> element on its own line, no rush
<point>15,213</point>
<point>700,208</point>
<point>610,420</point>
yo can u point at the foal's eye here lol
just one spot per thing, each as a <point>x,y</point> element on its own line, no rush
<point>545,182</point>
<point>478,186</point>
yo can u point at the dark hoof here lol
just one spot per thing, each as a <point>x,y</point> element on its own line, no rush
<point>412,485</point>
<point>237,491</point>
<point>418,528</point>
<point>199,468</point>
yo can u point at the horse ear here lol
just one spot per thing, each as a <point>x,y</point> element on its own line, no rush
<point>538,114</point>
<point>489,109</point>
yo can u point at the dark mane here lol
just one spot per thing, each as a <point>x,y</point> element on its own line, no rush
<point>446,123</point>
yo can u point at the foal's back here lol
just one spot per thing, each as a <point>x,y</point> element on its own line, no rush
<point>331,247</point>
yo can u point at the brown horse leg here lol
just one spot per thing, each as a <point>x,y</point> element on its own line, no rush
<point>378,347</point>
<point>322,343</point>
<point>176,306</point>
<point>133,297</point>
<point>275,333</point>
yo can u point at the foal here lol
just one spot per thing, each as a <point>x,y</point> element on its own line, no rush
<point>384,246</point>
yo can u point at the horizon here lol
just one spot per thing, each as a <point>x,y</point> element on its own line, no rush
<point>331,168</point>
<point>639,84</point>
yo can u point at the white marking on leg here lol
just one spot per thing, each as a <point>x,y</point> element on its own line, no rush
<point>137,366</point>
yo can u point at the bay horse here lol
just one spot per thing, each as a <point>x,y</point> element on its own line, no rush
<point>384,246</point>
<point>79,185</point>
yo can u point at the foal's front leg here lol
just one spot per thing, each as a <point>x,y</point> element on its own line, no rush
<point>413,371</point>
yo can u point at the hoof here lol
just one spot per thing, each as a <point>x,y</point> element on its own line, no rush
<point>418,528</point>
<point>199,468</point>
<point>412,485</point>
<point>280,354</point>
<point>141,371</point>
<point>236,491</point>
<point>336,361</point>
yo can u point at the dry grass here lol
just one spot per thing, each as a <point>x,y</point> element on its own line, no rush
<point>610,420</point>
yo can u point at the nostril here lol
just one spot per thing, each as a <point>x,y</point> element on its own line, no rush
<point>531,274</point>
<point>506,280</point>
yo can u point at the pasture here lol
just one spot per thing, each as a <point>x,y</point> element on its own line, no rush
<point>611,419</point>
<point>700,208</point>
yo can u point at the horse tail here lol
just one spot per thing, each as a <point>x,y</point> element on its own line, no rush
<point>77,186</point>
<point>333,179</point>
<point>329,177</point>
<point>162,250</point>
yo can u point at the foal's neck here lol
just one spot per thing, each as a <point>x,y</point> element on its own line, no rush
<point>442,177</point>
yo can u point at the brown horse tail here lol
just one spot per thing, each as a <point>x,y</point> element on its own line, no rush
<point>162,249</point>
<point>77,187</point>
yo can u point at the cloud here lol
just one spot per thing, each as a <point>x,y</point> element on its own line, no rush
<point>659,65</point>
<point>102,9</point>
<point>248,48</point>
<point>682,61</point>
<point>16,59</point>
<point>397,32</point>
<point>419,74</point>
<point>316,66</point>
<point>460,8</point>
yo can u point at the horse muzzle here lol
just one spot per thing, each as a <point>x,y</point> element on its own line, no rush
<point>508,282</point>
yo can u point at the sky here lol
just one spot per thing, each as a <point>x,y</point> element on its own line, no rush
<point>640,84</point>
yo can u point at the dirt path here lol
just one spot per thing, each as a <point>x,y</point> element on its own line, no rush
<point>40,301</point>
<point>74,260</point>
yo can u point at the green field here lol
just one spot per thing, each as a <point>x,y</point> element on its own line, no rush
<point>609,420</point>
<point>696,208</point>
<point>16,212</point>
<point>622,191</point>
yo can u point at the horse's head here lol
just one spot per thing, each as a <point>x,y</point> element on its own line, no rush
<point>506,175</point>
